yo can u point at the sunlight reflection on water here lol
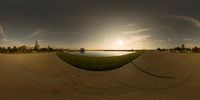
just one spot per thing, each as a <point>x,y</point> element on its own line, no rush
<point>102,53</point>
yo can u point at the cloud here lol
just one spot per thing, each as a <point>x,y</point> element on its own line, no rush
<point>10,42</point>
<point>44,33</point>
<point>2,31</point>
<point>138,31</point>
<point>38,32</point>
<point>192,20</point>
<point>188,39</point>
<point>130,25</point>
<point>138,38</point>
<point>160,41</point>
<point>58,33</point>
<point>169,40</point>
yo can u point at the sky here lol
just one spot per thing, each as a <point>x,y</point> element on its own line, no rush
<point>100,24</point>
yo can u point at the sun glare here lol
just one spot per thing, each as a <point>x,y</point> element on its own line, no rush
<point>120,42</point>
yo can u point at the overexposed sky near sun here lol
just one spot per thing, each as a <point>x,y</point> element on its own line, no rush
<point>96,24</point>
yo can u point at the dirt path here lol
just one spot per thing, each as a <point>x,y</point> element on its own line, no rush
<point>153,76</point>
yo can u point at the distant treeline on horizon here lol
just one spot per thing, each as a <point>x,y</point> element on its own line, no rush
<point>25,49</point>
<point>181,48</point>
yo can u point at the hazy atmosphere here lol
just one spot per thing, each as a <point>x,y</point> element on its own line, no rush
<point>100,24</point>
<point>99,49</point>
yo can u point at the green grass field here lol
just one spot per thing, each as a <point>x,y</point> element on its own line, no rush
<point>98,63</point>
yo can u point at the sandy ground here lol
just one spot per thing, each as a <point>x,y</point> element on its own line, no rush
<point>153,76</point>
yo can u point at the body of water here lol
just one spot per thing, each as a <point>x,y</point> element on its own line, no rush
<point>101,53</point>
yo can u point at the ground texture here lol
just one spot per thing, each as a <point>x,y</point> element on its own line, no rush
<point>153,76</point>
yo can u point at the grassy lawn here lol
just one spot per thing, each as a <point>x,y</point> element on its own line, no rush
<point>98,63</point>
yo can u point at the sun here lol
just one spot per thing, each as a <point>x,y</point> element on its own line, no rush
<point>120,42</point>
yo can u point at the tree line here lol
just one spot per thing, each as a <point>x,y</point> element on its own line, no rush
<point>181,48</point>
<point>25,49</point>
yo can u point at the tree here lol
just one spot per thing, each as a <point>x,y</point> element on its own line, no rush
<point>183,47</point>
<point>177,48</point>
<point>23,49</point>
<point>35,48</point>
<point>50,49</point>
<point>195,49</point>
<point>2,49</point>
<point>8,50</point>
<point>82,50</point>
<point>158,49</point>
<point>43,50</point>
<point>14,49</point>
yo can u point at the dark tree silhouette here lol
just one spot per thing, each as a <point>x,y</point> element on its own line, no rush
<point>50,49</point>
<point>23,49</point>
<point>8,49</point>
<point>183,47</point>
<point>82,50</point>
<point>195,49</point>
<point>14,49</point>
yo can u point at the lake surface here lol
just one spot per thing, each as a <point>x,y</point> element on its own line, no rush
<point>101,53</point>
